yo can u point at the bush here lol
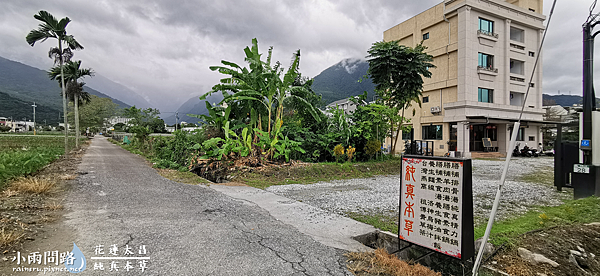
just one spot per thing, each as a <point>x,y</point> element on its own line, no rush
<point>338,152</point>
<point>373,147</point>
<point>350,153</point>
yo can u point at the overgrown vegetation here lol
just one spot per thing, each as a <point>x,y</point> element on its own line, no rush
<point>20,156</point>
<point>312,173</point>
<point>269,117</point>
<point>571,212</point>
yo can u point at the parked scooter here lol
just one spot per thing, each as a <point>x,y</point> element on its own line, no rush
<point>516,152</point>
<point>526,151</point>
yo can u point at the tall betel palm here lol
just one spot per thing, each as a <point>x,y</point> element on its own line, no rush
<point>71,73</point>
<point>52,28</point>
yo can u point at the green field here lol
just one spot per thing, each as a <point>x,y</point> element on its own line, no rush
<point>23,155</point>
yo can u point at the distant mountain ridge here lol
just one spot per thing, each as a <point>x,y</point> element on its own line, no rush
<point>341,81</point>
<point>116,90</point>
<point>192,106</point>
<point>21,85</point>
<point>565,100</point>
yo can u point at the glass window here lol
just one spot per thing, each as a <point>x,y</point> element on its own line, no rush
<point>517,67</point>
<point>426,99</point>
<point>432,132</point>
<point>520,134</point>
<point>407,135</point>
<point>485,95</point>
<point>426,36</point>
<point>486,26</point>
<point>486,61</point>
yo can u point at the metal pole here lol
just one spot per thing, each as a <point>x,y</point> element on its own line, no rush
<point>488,229</point>
<point>589,99</point>
<point>34,106</point>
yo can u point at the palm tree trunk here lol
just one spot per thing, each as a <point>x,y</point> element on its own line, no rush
<point>76,121</point>
<point>64,97</point>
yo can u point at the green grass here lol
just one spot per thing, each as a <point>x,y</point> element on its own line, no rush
<point>382,222</point>
<point>314,173</point>
<point>539,176</point>
<point>44,133</point>
<point>23,155</point>
<point>571,212</point>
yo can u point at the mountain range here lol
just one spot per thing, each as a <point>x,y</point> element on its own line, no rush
<point>341,81</point>
<point>22,85</point>
<point>565,100</point>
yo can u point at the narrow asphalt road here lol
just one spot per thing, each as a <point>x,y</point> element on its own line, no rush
<point>185,229</point>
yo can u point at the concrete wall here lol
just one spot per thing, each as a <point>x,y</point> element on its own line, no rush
<point>455,45</point>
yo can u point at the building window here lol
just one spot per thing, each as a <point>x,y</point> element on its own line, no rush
<point>485,61</point>
<point>407,135</point>
<point>520,134</point>
<point>517,67</point>
<point>486,95</point>
<point>425,99</point>
<point>486,26</point>
<point>426,36</point>
<point>517,34</point>
<point>531,138</point>
<point>516,98</point>
<point>432,132</point>
<point>531,54</point>
<point>531,84</point>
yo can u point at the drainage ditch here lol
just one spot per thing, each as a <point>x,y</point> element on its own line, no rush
<point>438,262</point>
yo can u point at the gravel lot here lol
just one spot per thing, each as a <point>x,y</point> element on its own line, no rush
<point>379,195</point>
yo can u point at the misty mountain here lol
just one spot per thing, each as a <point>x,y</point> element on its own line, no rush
<point>192,106</point>
<point>341,81</point>
<point>21,85</point>
<point>115,90</point>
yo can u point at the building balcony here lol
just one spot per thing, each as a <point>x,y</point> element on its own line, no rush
<point>517,79</point>
<point>486,33</point>
<point>488,69</point>
<point>517,48</point>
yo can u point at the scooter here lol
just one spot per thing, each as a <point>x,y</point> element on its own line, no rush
<point>516,152</point>
<point>526,151</point>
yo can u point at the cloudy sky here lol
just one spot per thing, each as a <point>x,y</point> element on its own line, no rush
<point>162,48</point>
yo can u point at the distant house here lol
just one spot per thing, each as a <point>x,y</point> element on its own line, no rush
<point>116,120</point>
<point>345,104</point>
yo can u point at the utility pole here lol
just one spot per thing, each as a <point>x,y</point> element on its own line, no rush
<point>589,97</point>
<point>176,119</point>
<point>34,106</point>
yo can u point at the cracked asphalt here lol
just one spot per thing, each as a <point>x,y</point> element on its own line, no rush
<point>186,229</point>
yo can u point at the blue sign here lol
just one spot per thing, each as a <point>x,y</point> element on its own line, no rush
<point>585,143</point>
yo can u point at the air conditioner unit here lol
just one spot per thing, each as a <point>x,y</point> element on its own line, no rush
<point>436,109</point>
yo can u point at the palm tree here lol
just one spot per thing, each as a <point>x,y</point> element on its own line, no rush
<point>71,72</point>
<point>52,28</point>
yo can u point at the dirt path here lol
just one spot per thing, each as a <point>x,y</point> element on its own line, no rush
<point>184,229</point>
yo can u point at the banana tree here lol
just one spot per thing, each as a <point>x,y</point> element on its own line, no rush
<point>262,88</point>
<point>50,27</point>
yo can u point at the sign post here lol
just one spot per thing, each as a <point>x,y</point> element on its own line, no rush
<point>436,205</point>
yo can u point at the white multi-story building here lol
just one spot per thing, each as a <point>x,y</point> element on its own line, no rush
<point>484,52</point>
